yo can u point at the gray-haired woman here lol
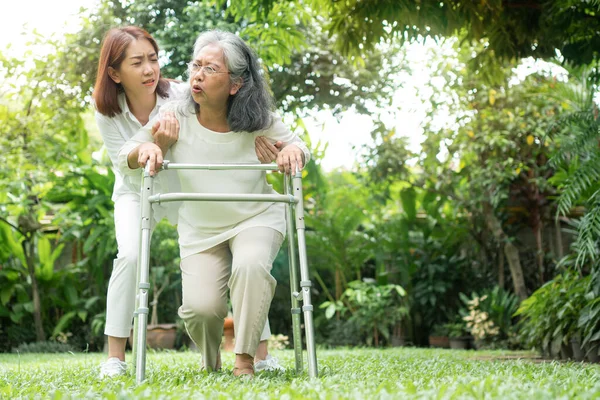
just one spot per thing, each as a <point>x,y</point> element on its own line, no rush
<point>224,245</point>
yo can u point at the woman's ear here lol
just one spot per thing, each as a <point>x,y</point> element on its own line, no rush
<point>235,86</point>
<point>114,75</point>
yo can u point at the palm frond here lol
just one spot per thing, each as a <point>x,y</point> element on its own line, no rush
<point>588,233</point>
<point>584,178</point>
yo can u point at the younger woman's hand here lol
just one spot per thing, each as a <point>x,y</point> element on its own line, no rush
<point>166,131</point>
<point>265,151</point>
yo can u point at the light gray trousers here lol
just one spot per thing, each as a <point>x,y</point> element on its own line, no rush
<point>243,265</point>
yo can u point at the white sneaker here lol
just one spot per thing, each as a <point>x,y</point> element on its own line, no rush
<point>113,367</point>
<point>268,364</point>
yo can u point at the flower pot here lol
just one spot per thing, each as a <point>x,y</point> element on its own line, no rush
<point>442,342</point>
<point>591,352</point>
<point>578,354</point>
<point>160,336</point>
<point>229,334</point>
<point>460,343</point>
<point>566,351</point>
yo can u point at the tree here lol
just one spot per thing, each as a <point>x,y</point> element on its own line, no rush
<point>514,29</point>
<point>41,134</point>
<point>577,160</point>
<point>305,70</point>
<point>497,165</point>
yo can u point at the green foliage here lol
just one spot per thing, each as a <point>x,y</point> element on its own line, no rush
<point>489,316</point>
<point>512,31</point>
<point>44,347</point>
<point>335,333</point>
<point>42,135</point>
<point>588,324</point>
<point>336,239</point>
<point>45,145</point>
<point>165,275</point>
<point>375,309</point>
<point>550,316</point>
<point>576,160</point>
<point>456,329</point>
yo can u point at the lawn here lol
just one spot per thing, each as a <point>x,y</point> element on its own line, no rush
<point>344,374</point>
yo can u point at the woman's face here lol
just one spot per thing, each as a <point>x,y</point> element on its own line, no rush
<point>139,71</point>
<point>209,78</point>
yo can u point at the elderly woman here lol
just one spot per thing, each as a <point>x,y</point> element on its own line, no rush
<point>224,245</point>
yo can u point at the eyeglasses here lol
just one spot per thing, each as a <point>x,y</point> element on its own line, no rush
<point>208,70</point>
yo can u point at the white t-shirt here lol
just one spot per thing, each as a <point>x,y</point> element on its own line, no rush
<point>117,130</point>
<point>204,224</point>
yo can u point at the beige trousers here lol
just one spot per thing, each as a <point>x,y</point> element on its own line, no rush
<point>243,265</point>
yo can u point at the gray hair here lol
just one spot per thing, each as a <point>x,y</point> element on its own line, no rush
<point>250,109</point>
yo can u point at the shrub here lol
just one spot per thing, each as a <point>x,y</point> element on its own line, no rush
<point>375,309</point>
<point>44,347</point>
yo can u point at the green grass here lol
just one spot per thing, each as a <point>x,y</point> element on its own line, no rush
<point>397,373</point>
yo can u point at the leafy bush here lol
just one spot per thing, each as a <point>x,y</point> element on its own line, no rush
<point>456,329</point>
<point>337,333</point>
<point>44,347</point>
<point>588,323</point>
<point>550,316</point>
<point>375,309</point>
<point>489,316</point>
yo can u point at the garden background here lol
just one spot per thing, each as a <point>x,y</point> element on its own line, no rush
<point>487,229</point>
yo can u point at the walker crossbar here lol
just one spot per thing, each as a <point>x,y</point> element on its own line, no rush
<point>300,288</point>
<point>271,198</point>
<point>254,167</point>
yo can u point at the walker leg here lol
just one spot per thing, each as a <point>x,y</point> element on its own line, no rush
<point>143,284</point>
<point>305,282</point>
<point>296,311</point>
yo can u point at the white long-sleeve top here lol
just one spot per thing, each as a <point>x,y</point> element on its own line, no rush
<point>202,225</point>
<point>117,130</point>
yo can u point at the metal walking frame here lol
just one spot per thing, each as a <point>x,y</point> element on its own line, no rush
<point>295,208</point>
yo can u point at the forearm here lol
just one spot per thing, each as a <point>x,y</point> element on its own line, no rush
<point>132,158</point>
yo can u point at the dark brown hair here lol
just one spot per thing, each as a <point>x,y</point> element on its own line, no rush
<point>112,54</point>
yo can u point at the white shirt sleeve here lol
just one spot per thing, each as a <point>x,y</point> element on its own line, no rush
<point>113,140</point>
<point>279,132</point>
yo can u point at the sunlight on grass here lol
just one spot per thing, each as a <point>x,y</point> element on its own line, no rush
<point>356,374</point>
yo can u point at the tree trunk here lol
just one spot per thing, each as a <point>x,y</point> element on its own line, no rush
<point>559,241</point>
<point>540,251</point>
<point>154,304</point>
<point>376,335</point>
<point>35,293</point>
<point>510,251</point>
<point>500,269</point>
<point>516,271</point>
<point>338,284</point>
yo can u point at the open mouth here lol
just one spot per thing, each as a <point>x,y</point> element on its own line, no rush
<point>149,82</point>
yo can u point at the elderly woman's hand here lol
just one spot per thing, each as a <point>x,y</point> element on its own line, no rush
<point>290,157</point>
<point>265,151</point>
<point>150,153</point>
<point>166,131</point>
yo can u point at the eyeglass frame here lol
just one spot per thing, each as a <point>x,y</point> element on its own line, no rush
<point>194,68</point>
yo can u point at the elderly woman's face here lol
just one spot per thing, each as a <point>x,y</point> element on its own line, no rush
<point>209,78</point>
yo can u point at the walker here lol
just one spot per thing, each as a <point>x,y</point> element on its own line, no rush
<point>294,200</point>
